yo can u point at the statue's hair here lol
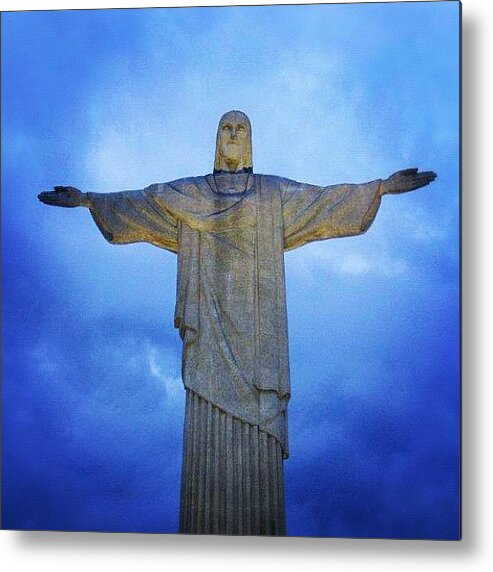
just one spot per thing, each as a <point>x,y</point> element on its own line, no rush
<point>246,162</point>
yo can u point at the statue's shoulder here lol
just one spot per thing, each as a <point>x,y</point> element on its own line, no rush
<point>274,180</point>
<point>188,186</point>
<point>188,182</point>
<point>282,183</point>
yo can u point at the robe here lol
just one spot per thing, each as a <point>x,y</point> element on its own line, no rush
<point>230,232</point>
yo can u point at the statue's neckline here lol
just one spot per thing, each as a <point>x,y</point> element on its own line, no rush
<point>231,183</point>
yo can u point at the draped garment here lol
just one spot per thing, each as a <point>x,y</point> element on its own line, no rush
<point>230,233</point>
<point>231,304</point>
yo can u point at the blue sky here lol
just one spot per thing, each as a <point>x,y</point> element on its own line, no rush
<point>117,99</point>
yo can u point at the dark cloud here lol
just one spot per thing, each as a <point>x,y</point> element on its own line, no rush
<point>92,440</point>
<point>92,401</point>
<point>377,462</point>
<point>93,435</point>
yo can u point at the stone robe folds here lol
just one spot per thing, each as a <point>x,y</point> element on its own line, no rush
<point>231,307</point>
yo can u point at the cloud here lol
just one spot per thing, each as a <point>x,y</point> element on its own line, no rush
<point>379,452</point>
<point>359,263</point>
<point>93,403</point>
<point>160,367</point>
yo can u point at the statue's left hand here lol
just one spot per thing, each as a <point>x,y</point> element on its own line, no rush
<point>406,180</point>
<point>68,197</point>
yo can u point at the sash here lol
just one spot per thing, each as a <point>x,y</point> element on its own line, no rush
<point>272,369</point>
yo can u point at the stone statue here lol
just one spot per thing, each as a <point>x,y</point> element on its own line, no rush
<point>230,230</point>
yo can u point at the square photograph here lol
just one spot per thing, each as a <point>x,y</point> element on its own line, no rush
<point>185,348</point>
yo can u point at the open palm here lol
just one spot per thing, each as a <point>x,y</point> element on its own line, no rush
<point>68,197</point>
<point>407,180</point>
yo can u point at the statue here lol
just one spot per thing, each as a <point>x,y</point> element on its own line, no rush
<point>230,230</point>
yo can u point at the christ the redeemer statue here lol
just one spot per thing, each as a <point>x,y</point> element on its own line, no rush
<point>230,230</point>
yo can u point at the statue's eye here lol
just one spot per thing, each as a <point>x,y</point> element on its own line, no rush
<point>241,128</point>
<point>226,127</point>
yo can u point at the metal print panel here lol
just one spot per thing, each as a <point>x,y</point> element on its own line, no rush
<point>330,202</point>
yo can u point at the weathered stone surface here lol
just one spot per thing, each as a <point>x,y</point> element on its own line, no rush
<point>230,230</point>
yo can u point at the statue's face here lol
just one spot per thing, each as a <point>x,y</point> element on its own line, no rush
<point>233,142</point>
<point>233,138</point>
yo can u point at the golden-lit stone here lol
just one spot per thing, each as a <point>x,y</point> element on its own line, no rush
<point>230,230</point>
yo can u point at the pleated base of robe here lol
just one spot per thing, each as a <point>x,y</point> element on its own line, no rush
<point>232,475</point>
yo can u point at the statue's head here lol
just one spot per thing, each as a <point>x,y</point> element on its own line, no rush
<point>234,144</point>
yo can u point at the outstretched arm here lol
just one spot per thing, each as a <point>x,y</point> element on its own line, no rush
<point>124,217</point>
<point>317,213</point>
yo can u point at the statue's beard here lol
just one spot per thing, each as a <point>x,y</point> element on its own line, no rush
<point>233,150</point>
<point>232,153</point>
<point>233,156</point>
<point>233,162</point>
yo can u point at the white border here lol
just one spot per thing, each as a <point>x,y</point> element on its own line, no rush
<point>87,4</point>
<point>75,552</point>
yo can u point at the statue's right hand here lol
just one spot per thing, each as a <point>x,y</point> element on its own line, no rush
<point>64,197</point>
